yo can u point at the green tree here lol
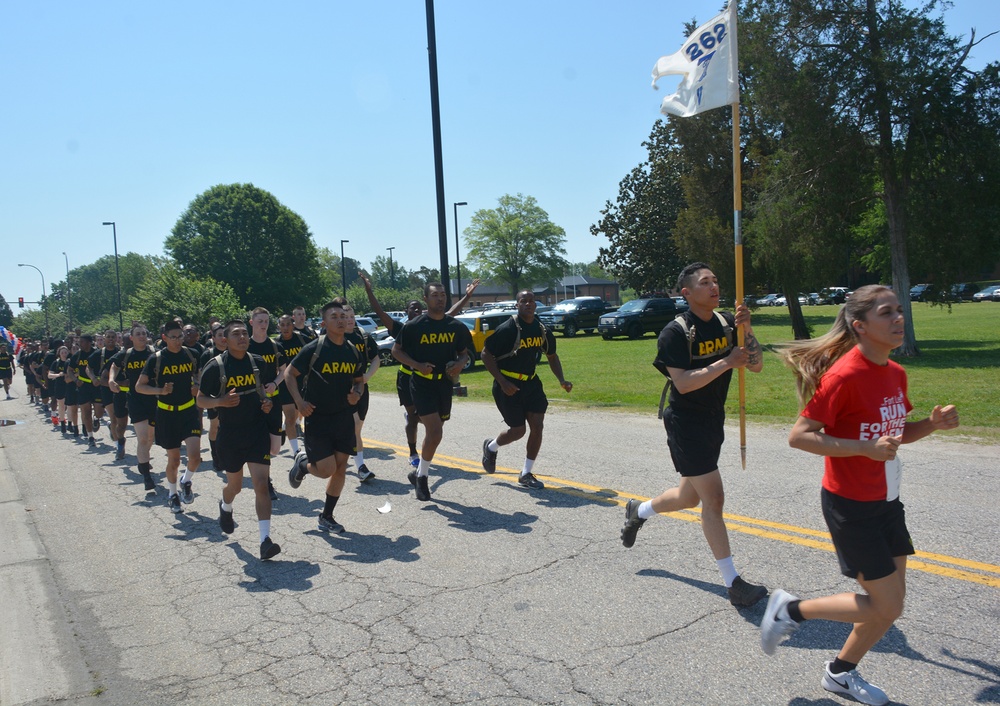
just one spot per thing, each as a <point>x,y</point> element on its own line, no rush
<point>30,323</point>
<point>893,73</point>
<point>243,236</point>
<point>382,276</point>
<point>6,315</point>
<point>329,263</point>
<point>642,254</point>
<point>420,277</point>
<point>516,243</point>
<point>168,292</point>
<point>94,288</point>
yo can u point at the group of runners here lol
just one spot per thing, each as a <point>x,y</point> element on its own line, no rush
<point>255,389</point>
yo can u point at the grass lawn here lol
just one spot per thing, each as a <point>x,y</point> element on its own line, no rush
<point>959,364</point>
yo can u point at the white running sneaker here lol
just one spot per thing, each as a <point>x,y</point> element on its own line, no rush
<point>852,684</point>
<point>776,623</point>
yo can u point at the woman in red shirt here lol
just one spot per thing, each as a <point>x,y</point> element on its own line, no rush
<point>855,416</point>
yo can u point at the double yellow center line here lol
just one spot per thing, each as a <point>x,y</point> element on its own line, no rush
<point>938,564</point>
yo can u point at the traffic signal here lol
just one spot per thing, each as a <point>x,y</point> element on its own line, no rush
<point>20,302</point>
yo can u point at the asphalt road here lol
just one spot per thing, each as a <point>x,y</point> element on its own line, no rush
<point>489,593</point>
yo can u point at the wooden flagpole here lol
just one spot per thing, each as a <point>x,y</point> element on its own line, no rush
<point>738,243</point>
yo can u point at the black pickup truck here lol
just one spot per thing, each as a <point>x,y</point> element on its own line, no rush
<point>572,315</point>
<point>638,317</point>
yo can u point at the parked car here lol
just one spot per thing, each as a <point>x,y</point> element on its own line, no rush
<point>996,295</point>
<point>572,315</point>
<point>682,304</point>
<point>638,317</point>
<point>986,294</point>
<point>385,343</point>
<point>366,324</point>
<point>768,300</point>
<point>813,298</point>
<point>399,316</point>
<point>962,292</point>
<point>920,292</point>
<point>481,325</point>
<point>833,295</point>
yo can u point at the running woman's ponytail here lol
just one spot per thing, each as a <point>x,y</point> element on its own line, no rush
<point>810,359</point>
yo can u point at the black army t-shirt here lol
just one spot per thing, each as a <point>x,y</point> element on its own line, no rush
<point>435,341</point>
<point>534,341</point>
<point>327,384</point>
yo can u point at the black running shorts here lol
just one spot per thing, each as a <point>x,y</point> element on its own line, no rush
<point>174,428</point>
<point>695,442</point>
<point>362,406</point>
<point>120,402</point>
<point>275,418</point>
<point>86,393</point>
<point>241,446</point>
<point>403,388</point>
<point>141,408</point>
<point>530,397</point>
<point>327,434</point>
<point>867,535</point>
<point>432,396</point>
<point>72,396</point>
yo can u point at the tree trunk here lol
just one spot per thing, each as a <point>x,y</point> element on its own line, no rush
<point>894,209</point>
<point>799,329</point>
<point>895,191</point>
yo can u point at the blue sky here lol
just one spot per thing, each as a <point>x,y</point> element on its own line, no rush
<point>126,111</point>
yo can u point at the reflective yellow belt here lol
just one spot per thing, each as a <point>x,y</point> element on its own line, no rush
<point>432,376</point>
<point>123,388</point>
<point>176,408</point>
<point>273,394</point>
<point>83,379</point>
<point>404,369</point>
<point>518,376</point>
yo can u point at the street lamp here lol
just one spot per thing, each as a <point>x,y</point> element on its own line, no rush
<point>343,267</point>
<point>114,232</point>
<point>69,302</point>
<point>458,262</point>
<point>43,301</point>
<point>392,273</point>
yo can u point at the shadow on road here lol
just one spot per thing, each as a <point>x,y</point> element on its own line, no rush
<point>274,575</point>
<point>481,519</point>
<point>371,548</point>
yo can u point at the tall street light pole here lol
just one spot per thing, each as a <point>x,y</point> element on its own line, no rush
<point>114,232</point>
<point>343,267</point>
<point>392,272</point>
<point>44,300</point>
<point>458,260</point>
<point>69,301</point>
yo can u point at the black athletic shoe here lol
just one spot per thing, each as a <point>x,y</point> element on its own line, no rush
<point>120,453</point>
<point>226,521</point>
<point>743,594</point>
<point>92,441</point>
<point>489,457</point>
<point>632,523</point>
<point>364,475</point>
<point>328,524</point>
<point>271,491</point>
<point>412,477</point>
<point>187,493</point>
<point>147,478</point>
<point>423,492</point>
<point>298,470</point>
<point>528,480</point>
<point>97,423</point>
<point>174,503</point>
<point>268,549</point>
